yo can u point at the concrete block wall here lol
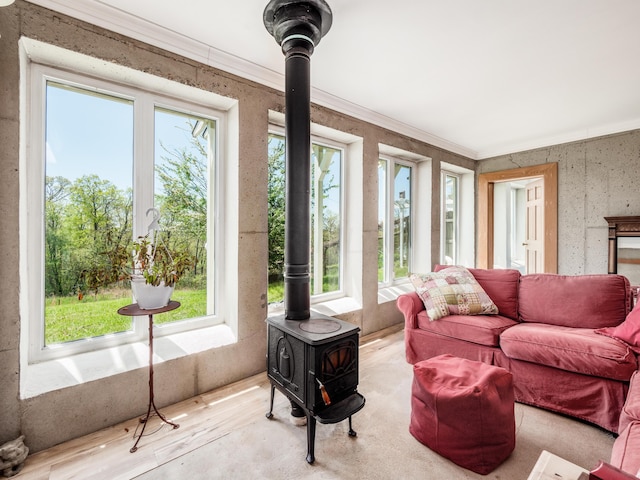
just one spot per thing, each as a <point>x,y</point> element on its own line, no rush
<point>597,178</point>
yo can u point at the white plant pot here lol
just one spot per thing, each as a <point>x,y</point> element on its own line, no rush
<point>149,297</point>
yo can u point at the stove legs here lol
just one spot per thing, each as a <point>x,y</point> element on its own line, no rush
<point>311,438</point>
<point>303,414</point>
<point>352,432</point>
<point>269,414</point>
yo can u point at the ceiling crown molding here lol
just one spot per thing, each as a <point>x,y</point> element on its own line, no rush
<point>110,18</point>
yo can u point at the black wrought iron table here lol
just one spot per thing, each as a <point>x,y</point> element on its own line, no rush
<point>134,310</point>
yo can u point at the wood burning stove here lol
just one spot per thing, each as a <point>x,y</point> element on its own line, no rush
<point>311,358</point>
<point>314,363</point>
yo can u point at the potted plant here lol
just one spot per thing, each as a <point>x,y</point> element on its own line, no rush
<point>156,269</point>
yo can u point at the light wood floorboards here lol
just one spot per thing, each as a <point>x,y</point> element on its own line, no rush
<point>202,419</point>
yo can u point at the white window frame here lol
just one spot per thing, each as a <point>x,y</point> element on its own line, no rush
<point>336,145</point>
<point>443,217</point>
<point>389,273</point>
<point>32,202</point>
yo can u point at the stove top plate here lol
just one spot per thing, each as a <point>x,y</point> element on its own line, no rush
<point>319,325</point>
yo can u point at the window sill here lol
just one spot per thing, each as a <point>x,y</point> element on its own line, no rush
<point>86,367</point>
<point>338,306</point>
<point>390,293</point>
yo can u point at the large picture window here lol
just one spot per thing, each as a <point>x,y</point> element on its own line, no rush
<point>106,154</point>
<point>394,219</point>
<point>326,217</point>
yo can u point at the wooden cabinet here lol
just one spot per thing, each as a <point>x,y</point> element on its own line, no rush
<point>624,247</point>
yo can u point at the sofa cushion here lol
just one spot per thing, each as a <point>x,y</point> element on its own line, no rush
<point>586,301</point>
<point>500,284</point>
<point>625,453</point>
<point>481,329</point>
<point>452,291</point>
<point>578,350</point>
<point>628,331</point>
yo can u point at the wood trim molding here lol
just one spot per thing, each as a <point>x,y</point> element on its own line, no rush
<point>486,181</point>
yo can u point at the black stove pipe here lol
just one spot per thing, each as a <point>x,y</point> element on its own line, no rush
<point>297,26</point>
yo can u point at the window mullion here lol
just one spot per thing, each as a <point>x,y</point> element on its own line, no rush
<point>143,177</point>
<point>143,162</point>
<point>390,227</point>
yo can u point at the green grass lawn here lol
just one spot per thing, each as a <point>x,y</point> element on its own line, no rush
<point>68,319</point>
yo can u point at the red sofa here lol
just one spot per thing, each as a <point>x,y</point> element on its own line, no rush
<point>545,335</point>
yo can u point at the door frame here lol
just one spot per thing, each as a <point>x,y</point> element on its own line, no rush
<point>486,182</point>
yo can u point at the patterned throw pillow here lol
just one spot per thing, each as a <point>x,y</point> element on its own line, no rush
<point>452,291</point>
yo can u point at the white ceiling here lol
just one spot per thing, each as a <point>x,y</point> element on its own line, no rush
<point>480,78</point>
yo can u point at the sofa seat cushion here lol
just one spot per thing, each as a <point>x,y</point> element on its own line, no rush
<point>480,329</point>
<point>584,301</point>
<point>579,350</point>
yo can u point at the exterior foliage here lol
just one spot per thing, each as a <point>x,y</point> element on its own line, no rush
<point>88,234</point>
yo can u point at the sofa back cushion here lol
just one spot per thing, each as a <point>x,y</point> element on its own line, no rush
<point>501,285</point>
<point>586,301</point>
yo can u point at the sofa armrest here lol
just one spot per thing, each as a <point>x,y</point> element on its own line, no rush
<point>410,305</point>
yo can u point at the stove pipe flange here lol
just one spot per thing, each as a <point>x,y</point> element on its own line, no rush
<point>297,26</point>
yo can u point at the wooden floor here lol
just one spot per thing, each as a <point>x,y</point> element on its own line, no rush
<point>202,419</point>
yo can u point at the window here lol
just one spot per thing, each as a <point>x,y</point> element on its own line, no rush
<point>105,154</point>
<point>394,219</point>
<point>450,209</point>
<point>326,217</point>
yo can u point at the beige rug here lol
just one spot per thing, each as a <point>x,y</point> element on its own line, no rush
<point>383,449</point>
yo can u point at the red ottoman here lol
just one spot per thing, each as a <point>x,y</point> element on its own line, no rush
<point>463,410</point>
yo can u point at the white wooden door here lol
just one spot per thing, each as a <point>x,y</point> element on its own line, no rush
<point>534,238</point>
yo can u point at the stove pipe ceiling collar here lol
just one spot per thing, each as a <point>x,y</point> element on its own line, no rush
<point>295,22</point>
<point>298,26</point>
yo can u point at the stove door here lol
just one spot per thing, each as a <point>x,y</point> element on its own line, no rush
<point>287,363</point>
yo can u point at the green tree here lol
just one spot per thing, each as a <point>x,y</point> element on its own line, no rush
<point>99,221</point>
<point>183,203</point>
<point>276,210</point>
<point>56,195</point>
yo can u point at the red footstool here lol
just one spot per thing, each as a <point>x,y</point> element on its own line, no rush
<point>463,410</point>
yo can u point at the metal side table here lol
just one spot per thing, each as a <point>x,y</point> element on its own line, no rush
<point>134,310</point>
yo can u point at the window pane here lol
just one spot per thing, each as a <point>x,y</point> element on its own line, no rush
<point>402,220</point>
<point>325,219</point>
<point>326,228</point>
<point>450,218</point>
<point>382,215</point>
<point>89,162</point>
<point>184,150</point>
<point>276,218</point>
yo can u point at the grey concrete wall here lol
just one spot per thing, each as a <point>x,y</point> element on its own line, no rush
<point>597,178</point>
<point>67,413</point>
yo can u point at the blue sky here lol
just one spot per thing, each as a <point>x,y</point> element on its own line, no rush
<point>93,134</point>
